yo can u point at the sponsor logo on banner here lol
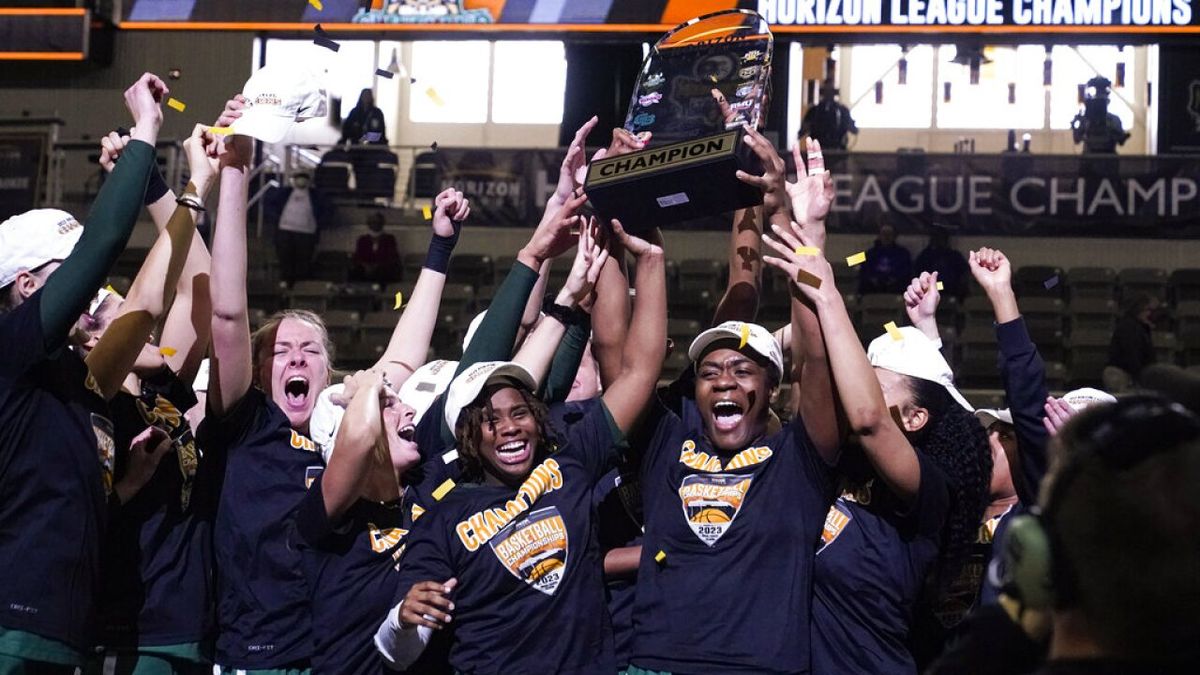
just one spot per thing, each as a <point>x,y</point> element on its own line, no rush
<point>534,549</point>
<point>836,521</point>
<point>423,11</point>
<point>712,501</point>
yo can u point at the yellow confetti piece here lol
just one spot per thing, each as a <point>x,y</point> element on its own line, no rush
<point>857,259</point>
<point>808,250</point>
<point>176,104</point>
<point>745,336</point>
<point>893,331</point>
<point>808,279</point>
<point>220,131</point>
<point>399,299</point>
<point>443,489</point>
<point>417,512</point>
<point>167,351</point>
<point>427,212</point>
<point>433,96</point>
<point>316,5</point>
<point>941,286</point>
<point>110,289</point>
<point>660,557</point>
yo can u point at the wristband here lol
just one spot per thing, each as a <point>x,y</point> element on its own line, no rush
<point>567,316</point>
<point>156,187</point>
<point>437,258</point>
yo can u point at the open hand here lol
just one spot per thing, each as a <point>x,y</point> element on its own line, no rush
<point>775,197</point>
<point>810,274</point>
<point>589,259</point>
<point>812,194</point>
<point>428,604</point>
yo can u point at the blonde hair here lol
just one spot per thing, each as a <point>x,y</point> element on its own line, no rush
<point>259,339</point>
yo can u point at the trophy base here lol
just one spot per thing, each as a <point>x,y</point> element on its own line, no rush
<point>676,182</point>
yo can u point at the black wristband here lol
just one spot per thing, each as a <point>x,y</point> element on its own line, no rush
<point>567,316</point>
<point>156,188</point>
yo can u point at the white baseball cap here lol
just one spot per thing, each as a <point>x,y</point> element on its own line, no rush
<point>989,416</point>
<point>34,238</point>
<point>201,381</point>
<point>325,420</point>
<point>424,385</point>
<point>467,386</point>
<point>1085,397</point>
<point>916,356</point>
<point>278,96</point>
<point>755,337</point>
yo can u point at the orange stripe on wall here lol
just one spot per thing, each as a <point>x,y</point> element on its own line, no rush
<point>678,11</point>
<point>43,11</point>
<point>41,56</point>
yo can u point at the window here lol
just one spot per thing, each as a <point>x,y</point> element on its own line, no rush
<point>986,105</point>
<point>451,81</point>
<point>904,106</point>
<point>1074,66</point>
<point>529,79</point>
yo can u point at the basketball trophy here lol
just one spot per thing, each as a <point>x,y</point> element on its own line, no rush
<point>700,85</point>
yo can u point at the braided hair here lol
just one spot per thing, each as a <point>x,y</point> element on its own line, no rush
<point>469,430</point>
<point>957,444</point>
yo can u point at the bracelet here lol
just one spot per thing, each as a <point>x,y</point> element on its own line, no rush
<point>191,201</point>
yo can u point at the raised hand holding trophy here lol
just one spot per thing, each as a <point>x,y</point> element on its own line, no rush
<point>700,86</point>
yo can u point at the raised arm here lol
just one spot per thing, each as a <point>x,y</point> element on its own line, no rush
<point>921,300</point>
<point>360,429</point>
<point>410,340</point>
<point>231,371</point>
<point>646,344</point>
<point>145,306</point>
<point>539,348</point>
<point>811,197</point>
<point>68,291</point>
<point>1022,370</point>
<point>857,387</point>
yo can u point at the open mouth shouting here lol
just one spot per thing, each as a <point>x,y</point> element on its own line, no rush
<point>727,415</point>
<point>513,452</point>
<point>407,432</point>
<point>295,392</point>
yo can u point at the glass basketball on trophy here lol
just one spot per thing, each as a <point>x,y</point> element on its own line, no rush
<point>700,85</point>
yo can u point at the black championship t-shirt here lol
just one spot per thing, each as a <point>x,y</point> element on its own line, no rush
<point>56,462</point>
<point>530,594</point>
<point>874,558</point>
<point>157,554</point>
<point>618,499</point>
<point>262,594</point>
<point>732,591</point>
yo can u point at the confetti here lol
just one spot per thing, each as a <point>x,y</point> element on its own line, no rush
<point>745,336</point>
<point>857,259</point>
<point>893,331</point>
<point>433,146</point>
<point>1051,282</point>
<point>176,104</point>
<point>450,457</point>
<point>372,136</point>
<point>221,131</point>
<point>443,489</point>
<point>660,557</point>
<point>808,250</point>
<point>110,289</point>
<point>808,279</point>
<point>384,73</point>
<point>316,4</point>
<point>399,299</point>
<point>323,40</point>
<point>433,96</point>
<point>412,80</point>
<point>427,212</point>
<point>167,351</point>
<point>941,286</point>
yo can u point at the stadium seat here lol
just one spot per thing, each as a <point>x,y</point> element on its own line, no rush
<point>1092,283</point>
<point>377,327</point>
<point>1088,356</point>
<point>1137,280</point>
<point>475,269</point>
<point>265,295</point>
<point>332,266</point>
<point>361,296</point>
<point>1166,347</point>
<point>701,275</point>
<point>1185,284</point>
<point>310,294</point>
<point>875,310</point>
<point>458,300</point>
<point>1039,281</point>
<point>1092,313</point>
<point>342,326</point>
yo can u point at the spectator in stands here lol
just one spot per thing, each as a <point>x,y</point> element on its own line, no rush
<point>365,123</point>
<point>1132,346</point>
<point>939,256</point>
<point>1117,570</point>
<point>299,212</point>
<point>888,268</point>
<point>829,122</point>
<point>376,255</point>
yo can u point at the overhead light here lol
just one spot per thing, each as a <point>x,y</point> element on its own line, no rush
<point>1047,68</point>
<point>395,67</point>
<point>1012,93</point>
<point>945,92</point>
<point>902,66</point>
<point>879,92</point>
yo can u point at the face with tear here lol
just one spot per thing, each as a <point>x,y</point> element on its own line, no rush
<point>294,368</point>
<point>509,436</point>
<point>733,393</point>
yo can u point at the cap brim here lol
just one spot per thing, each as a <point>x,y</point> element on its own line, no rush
<point>703,340</point>
<point>989,416</point>
<point>957,396</point>
<point>505,372</point>
<point>265,126</point>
